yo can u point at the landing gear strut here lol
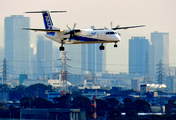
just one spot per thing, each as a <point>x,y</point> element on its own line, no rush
<point>61,47</point>
<point>102,47</point>
<point>115,45</point>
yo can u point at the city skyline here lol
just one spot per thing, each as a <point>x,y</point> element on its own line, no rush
<point>17,42</point>
<point>124,12</point>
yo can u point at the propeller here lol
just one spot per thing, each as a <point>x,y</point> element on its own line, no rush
<point>112,25</point>
<point>72,32</point>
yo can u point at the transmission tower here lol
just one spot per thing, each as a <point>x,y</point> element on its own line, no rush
<point>64,72</point>
<point>160,72</point>
<point>4,71</point>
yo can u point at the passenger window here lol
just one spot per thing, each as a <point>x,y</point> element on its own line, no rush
<point>111,32</point>
<point>107,33</point>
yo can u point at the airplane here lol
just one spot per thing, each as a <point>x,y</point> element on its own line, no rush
<point>78,36</point>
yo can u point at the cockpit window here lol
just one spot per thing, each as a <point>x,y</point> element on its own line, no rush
<point>107,33</point>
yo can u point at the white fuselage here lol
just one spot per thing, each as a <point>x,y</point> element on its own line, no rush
<point>87,36</point>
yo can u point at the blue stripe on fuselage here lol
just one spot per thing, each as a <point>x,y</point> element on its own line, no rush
<point>50,33</point>
<point>86,39</point>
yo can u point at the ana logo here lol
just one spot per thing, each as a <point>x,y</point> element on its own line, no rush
<point>48,22</point>
<point>93,33</point>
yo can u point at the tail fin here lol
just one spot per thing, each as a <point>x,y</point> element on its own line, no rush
<point>47,20</point>
<point>46,17</point>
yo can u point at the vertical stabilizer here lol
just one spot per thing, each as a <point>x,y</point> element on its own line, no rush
<point>47,20</point>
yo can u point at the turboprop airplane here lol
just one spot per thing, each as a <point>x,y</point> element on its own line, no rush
<point>78,36</point>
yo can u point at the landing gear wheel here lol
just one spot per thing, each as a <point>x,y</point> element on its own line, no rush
<point>61,48</point>
<point>115,45</point>
<point>102,47</point>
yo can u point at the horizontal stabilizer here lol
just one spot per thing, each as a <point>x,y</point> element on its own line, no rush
<point>44,30</point>
<point>45,11</point>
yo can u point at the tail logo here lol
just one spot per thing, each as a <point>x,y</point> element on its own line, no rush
<point>48,21</point>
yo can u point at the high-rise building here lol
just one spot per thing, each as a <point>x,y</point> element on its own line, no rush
<point>44,57</point>
<point>74,56</point>
<point>138,54</point>
<point>93,59</point>
<point>1,54</point>
<point>135,84</point>
<point>33,63</point>
<point>160,42</point>
<point>56,57</point>
<point>16,44</point>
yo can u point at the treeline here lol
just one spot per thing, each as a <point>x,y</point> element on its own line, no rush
<point>35,96</point>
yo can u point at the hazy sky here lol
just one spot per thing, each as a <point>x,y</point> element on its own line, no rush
<point>157,15</point>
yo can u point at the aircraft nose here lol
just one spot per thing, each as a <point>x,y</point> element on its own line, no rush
<point>118,37</point>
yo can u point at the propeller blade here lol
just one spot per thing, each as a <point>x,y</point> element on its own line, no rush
<point>118,26</point>
<point>76,37</point>
<point>68,27</point>
<point>74,26</point>
<point>111,24</point>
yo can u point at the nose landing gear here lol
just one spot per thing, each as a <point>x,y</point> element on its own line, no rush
<point>115,45</point>
<point>102,47</point>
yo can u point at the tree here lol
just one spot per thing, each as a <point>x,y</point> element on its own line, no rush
<point>42,103</point>
<point>64,101</point>
<point>127,104</point>
<point>131,113</point>
<point>26,102</point>
<point>141,106</point>
<point>101,107</point>
<point>17,92</point>
<point>82,102</point>
<point>112,103</point>
<point>37,90</point>
<point>114,114</point>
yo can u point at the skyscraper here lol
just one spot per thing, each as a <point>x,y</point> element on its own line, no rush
<point>138,51</point>
<point>44,57</point>
<point>17,44</point>
<point>93,59</point>
<point>56,57</point>
<point>1,54</point>
<point>160,42</point>
<point>74,54</point>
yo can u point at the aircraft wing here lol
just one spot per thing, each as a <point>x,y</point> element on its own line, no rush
<point>127,27</point>
<point>43,30</point>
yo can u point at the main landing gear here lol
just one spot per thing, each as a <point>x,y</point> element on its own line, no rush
<point>61,47</point>
<point>115,45</point>
<point>102,47</point>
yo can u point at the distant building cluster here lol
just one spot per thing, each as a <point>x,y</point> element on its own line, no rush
<point>148,59</point>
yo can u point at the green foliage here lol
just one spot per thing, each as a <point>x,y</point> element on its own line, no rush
<point>17,92</point>
<point>4,113</point>
<point>41,103</point>
<point>141,106</point>
<point>131,113</point>
<point>37,90</point>
<point>112,103</point>
<point>101,107</point>
<point>26,102</point>
<point>114,114</point>
<point>82,102</point>
<point>63,102</point>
